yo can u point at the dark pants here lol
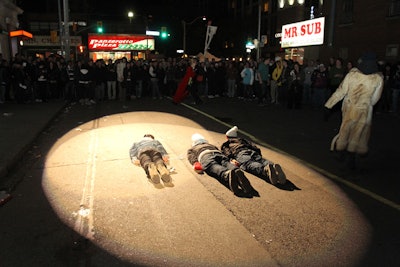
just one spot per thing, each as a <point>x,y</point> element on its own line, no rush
<point>216,164</point>
<point>252,162</point>
<point>150,156</point>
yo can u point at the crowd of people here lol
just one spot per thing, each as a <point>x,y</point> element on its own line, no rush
<point>269,81</point>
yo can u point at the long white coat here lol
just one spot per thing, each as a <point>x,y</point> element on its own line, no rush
<point>360,92</point>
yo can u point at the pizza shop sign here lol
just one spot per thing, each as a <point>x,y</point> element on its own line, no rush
<point>120,42</point>
<point>304,33</point>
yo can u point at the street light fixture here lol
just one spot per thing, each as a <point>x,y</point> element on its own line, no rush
<point>130,16</point>
<point>184,23</point>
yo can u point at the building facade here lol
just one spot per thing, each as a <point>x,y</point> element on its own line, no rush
<point>8,22</point>
<point>351,26</point>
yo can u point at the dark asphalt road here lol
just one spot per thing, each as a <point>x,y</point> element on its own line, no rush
<point>302,134</point>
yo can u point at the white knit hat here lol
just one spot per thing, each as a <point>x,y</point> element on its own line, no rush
<point>198,139</point>
<point>232,132</point>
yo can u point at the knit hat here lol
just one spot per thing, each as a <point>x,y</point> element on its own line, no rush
<point>198,139</point>
<point>367,64</point>
<point>232,132</point>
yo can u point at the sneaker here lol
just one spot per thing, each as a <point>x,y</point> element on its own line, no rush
<point>164,173</point>
<point>271,173</point>
<point>280,173</point>
<point>153,173</point>
<point>243,182</point>
<point>233,182</point>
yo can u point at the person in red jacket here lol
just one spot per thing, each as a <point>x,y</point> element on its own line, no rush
<point>186,83</point>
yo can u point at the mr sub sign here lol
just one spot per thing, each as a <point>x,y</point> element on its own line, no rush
<point>304,33</point>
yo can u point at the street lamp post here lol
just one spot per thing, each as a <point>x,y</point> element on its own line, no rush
<point>130,16</point>
<point>184,24</point>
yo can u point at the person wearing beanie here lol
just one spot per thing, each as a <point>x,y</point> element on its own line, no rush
<point>359,92</point>
<point>208,158</point>
<point>276,80</point>
<point>151,155</point>
<point>248,157</point>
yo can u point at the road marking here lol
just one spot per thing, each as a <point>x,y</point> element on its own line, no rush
<point>84,223</point>
<point>360,189</point>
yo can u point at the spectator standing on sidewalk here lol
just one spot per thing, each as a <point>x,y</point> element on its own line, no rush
<point>247,75</point>
<point>220,73</point>
<point>360,91</point>
<point>307,73</point>
<point>208,158</point>
<point>264,94</point>
<point>153,73</point>
<point>170,77</point>
<point>42,82</point>
<point>384,103</point>
<point>120,66</point>
<point>248,157</point>
<point>276,80</point>
<point>336,75</point>
<point>231,78</point>
<point>151,155</point>
<point>319,86</point>
<point>295,88</point>
<point>129,80</point>
<point>85,85</point>
<point>70,73</point>
<point>99,78</point>
<point>285,77</point>
<point>111,81</point>
<point>53,74</point>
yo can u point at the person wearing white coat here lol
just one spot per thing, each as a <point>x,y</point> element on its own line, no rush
<point>360,91</point>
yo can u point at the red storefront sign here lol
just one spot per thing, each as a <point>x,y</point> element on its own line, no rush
<point>304,33</point>
<point>120,42</point>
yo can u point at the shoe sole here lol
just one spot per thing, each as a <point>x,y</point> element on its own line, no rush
<point>164,173</point>
<point>273,178</point>
<point>281,175</point>
<point>244,182</point>
<point>233,183</point>
<point>154,175</point>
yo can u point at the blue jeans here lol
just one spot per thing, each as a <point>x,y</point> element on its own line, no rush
<point>252,162</point>
<point>216,164</point>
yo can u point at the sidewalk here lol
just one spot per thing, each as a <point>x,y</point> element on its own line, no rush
<point>20,124</point>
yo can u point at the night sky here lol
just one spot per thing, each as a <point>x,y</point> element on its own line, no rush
<point>160,8</point>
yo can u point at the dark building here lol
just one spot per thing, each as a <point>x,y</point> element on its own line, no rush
<point>351,26</point>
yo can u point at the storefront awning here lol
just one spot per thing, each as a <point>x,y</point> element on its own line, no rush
<point>21,33</point>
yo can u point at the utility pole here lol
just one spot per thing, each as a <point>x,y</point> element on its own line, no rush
<point>66,30</point>
<point>61,30</point>
<point>259,30</point>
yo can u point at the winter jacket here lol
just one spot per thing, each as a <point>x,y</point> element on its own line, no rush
<point>144,145</point>
<point>193,153</point>
<point>234,145</point>
<point>359,92</point>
